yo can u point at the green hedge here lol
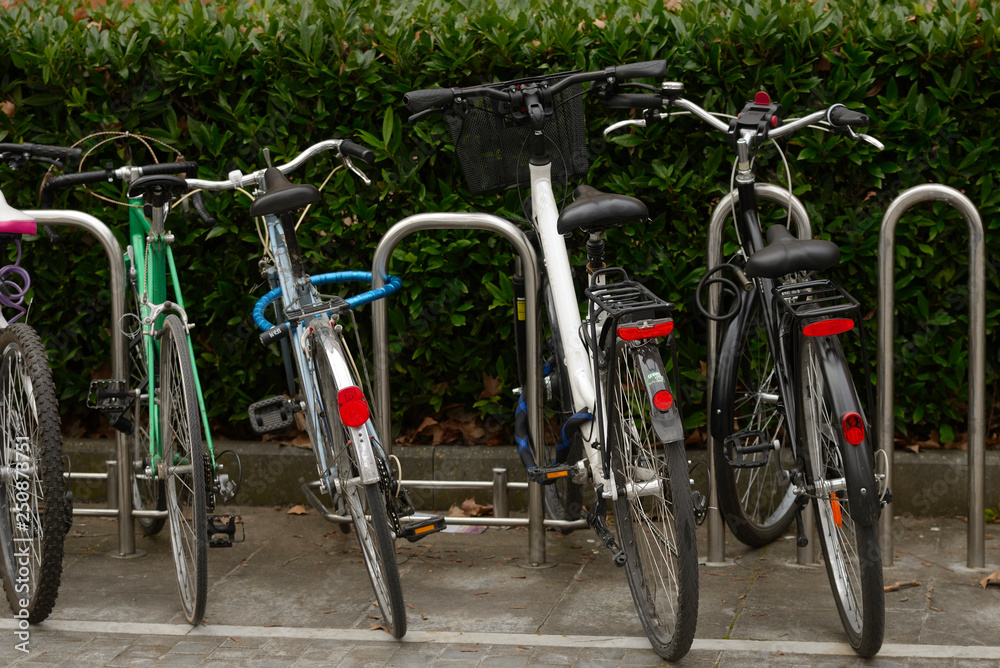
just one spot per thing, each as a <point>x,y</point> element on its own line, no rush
<point>221,82</point>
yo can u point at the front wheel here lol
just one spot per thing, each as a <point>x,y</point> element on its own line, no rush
<point>182,469</point>
<point>366,502</point>
<point>33,513</point>
<point>851,551</point>
<point>653,513</point>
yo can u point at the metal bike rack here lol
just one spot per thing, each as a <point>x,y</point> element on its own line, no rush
<point>119,369</point>
<point>768,193</point>
<point>977,355</point>
<point>380,345</point>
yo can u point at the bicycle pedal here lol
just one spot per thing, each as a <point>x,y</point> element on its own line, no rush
<point>745,444</point>
<point>272,414</point>
<point>414,531</point>
<point>111,399</point>
<point>546,475</point>
<point>222,530</point>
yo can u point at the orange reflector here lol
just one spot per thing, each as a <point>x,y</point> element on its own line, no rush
<point>853,427</point>
<point>353,407</point>
<point>828,327</point>
<point>635,332</point>
<point>663,400</point>
<point>556,474</point>
<point>838,519</point>
<point>429,527</point>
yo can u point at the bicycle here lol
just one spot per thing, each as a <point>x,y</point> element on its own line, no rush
<point>352,465</point>
<point>35,509</point>
<point>175,470</point>
<point>787,420</point>
<point>622,428</point>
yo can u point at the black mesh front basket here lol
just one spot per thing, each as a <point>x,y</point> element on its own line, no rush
<point>493,149</point>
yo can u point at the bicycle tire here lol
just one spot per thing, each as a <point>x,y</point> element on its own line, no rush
<point>851,551</point>
<point>563,499</point>
<point>32,448</point>
<point>368,507</point>
<point>757,503</point>
<point>656,531</point>
<point>183,469</point>
<point>148,492</point>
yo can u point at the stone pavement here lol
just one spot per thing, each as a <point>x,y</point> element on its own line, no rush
<point>295,593</point>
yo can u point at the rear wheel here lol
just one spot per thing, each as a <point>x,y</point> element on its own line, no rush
<point>653,513</point>
<point>33,518</point>
<point>757,501</point>
<point>366,502</point>
<point>183,469</point>
<point>851,551</point>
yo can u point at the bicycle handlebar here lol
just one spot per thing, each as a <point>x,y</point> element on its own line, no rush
<point>129,173</point>
<point>432,98</point>
<point>29,150</point>
<point>346,149</point>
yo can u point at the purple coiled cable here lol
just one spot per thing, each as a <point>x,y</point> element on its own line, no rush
<point>12,292</point>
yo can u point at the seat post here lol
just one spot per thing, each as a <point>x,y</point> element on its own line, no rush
<point>595,252</point>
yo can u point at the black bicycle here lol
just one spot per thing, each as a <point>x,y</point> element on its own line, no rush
<point>788,422</point>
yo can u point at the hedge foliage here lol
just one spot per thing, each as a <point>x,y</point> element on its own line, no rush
<point>221,81</point>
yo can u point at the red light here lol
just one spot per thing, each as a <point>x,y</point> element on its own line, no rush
<point>828,327</point>
<point>353,407</point>
<point>853,427</point>
<point>774,121</point>
<point>762,98</point>
<point>635,332</point>
<point>663,400</point>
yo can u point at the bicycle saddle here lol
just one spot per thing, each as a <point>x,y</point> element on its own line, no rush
<point>593,211</point>
<point>157,190</point>
<point>13,221</point>
<point>785,253</point>
<point>282,196</point>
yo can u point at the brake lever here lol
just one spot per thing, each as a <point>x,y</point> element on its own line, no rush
<point>849,131</point>
<point>638,122</point>
<point>350,165</point>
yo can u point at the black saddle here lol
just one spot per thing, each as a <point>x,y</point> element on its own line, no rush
<point>593,211</point>
<point>785,254</point>
<point>282,195</point>
<point>157,190</point>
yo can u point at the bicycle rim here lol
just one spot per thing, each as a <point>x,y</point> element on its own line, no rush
<point>851,551</point>
<point>33,518</point>
<point>183,469</point>
<point>757,502</point>
<point>653,515</point>
<point>366,503</point>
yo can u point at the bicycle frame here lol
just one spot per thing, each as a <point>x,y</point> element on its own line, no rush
<point>152,245</point>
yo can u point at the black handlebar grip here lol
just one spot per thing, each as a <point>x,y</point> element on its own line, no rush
<point>419,100</point>
<point>170,168</point>
<point>840,115</point>
<point>352,150</point>
<point>50,187</point>
<point>54,152</point>
<point>275,334</point>
<point>634,101</point>
<point>650,69</point>
<point>199,205</point>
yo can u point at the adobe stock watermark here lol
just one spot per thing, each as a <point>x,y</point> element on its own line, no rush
<point>22,540</point>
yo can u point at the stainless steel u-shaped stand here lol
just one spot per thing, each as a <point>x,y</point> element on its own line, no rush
<point>977,356</point>
<point>380,340</point>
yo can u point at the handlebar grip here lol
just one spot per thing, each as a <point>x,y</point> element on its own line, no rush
<point>419,100</point>
<point>840,115</point>
<point>43,151</point>
<point>170,168</point>
<point>50,187</point>
<point>634,101</point>
<point>199,205</point>
<point>649,69</point>
<point>363,153</point>
<point>275,334</point>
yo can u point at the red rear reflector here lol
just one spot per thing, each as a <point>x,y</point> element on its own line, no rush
<point>353,407</point>
<point>635,332</point>
<point>854,428</point>
<point>762,98</point>
<point>663,400</point>
<point>838,519</point>
<point>828,327</point>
